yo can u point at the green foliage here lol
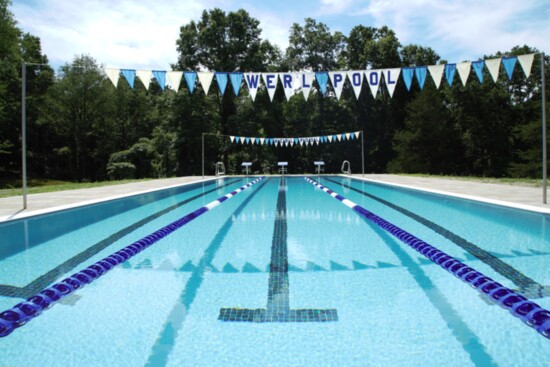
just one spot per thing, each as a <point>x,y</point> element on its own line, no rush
<point>121,170</point>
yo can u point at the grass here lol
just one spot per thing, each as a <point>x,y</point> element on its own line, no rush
<point>531,182</point>
<point>36,186</point>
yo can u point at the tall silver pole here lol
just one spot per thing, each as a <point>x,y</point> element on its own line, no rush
<point>544,163</point>
<point>203,156</point>
<point>24,131</point>
<point>362,153</point>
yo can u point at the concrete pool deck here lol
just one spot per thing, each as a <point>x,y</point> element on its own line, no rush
<point>519,196</point>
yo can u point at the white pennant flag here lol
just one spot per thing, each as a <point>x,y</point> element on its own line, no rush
<point>145,77</point>
<point>174,79</point>
<point>464,71</point>
<point>113,74</point>
<point>526,61</point>
<point>231,138</point>
<point>306,83</point>
<point>205,78</point>
<point>330,138</point>
<point>356,80</point>
<point>337,78</point>
<point>357,134</point>
<point>252,141</point>
<point>436,71</point>
<point>287,80</point>
<point>373,79</point>
<point>347,136</point>
<point>301,140</point>
<point>494,66</point>
<point>262,140</point>
<point>339,137</point>
<point>317,140</point>
<point>390,77</point>
<point>270,81</point>
<point>253,82</point>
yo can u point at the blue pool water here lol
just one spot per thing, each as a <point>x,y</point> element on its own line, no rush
<point>350,293</point>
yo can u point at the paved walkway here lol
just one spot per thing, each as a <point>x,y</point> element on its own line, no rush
<point>513,195</point>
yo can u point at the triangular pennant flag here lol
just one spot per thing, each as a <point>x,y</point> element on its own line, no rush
<point>270,81</point>
<point>237,139</point>
<point>271,141</point>
<point>509,65</point>
<point>113,74</point>
<point>129,75</point>
<point>464,71</point>
<point>450,73</point>
<point>291,142</point>
<point>478,68</point>
<point>436,71</point>
<point>339,137</point>
<point>322,80</point>
<point>373,79</point>
<point>526,61</point>
<point>253,82</point>
<point>232,138</point>
<point>174,79</point>
<point>252,141</point>
<point>247,140</point>
<point>330,138</point>
<point>236,81</point>
<point>337,78</point>
<point>347,136</point>
<point>390,77</point>
<point>160,76</point>
<point>494,66</point>
<point>351,136</point>
<point>408,74</point>
<point>262,141</point>
<point>420,72</point>
<point>317,140</point>
<point>145,77</point>
<point>205,78</point>
<point>221,78</point>
<point>295,140</point>
<point>306,83</point>
<point>356,80</point>
<point>301,140</point>
<point>190,78</point>
<point>288,84</point>
<point>357,134</point>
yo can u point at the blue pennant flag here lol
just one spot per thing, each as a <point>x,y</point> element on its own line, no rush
<point>421,72</point>
<point>236,80</point>
<point>334,138</point>
<point>478,68</point>
<point>247,140</point>
<point>190,78</point>
<point>271,141</point>
<point>237,139</point>
<point>408,76</point>
<point>222,81</point>
<point>450,73</point>
<point>129,75</point>
<point>322,79</point>
<point>160,76</point>
<point>257,140</point>
<point>509,65</point>
<point>295,140</point>
<point>352,136</point>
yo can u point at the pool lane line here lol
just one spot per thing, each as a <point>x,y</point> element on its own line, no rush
<point>278,293</point>
<point>527,311</point>
<point>166,340</point>
<point>23,312</point>
<point>42,281</point>
<point>527,286</point>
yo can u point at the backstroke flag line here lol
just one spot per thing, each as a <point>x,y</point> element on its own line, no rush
<point>326,83</point>
<point>309,140</point>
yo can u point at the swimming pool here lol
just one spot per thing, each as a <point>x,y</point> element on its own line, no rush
<point>279,275</point>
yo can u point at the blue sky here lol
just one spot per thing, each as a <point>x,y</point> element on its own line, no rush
<point>142,34</point>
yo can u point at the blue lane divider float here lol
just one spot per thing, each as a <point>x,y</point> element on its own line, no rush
<point>23,312</point>
<point>529,312</point>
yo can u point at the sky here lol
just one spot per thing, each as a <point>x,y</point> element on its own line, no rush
<point>142,34</point>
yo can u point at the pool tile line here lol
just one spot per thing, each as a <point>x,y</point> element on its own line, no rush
<point>23,312</point>
<point>526,286</point>
<point>164,344</point>
<point>278,294</point>
<point>519,306</point>
<point>45,279</point>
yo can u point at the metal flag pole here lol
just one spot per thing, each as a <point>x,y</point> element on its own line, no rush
<point>24,130</point>
<point>544,162</point>
<point>203,155</point>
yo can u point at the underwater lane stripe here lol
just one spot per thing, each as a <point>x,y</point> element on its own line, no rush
<point>527,286</point>
<point>42,281</point>
<point>23,312</point>
<point>529,312</point>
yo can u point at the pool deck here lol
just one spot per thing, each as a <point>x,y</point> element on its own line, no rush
<point>519,196</point>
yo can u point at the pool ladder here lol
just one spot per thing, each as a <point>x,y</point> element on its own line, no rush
<point>346,168</point>
<point>220,169</point>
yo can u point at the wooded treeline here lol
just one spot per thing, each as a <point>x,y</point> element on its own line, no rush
<point>81,128</point>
